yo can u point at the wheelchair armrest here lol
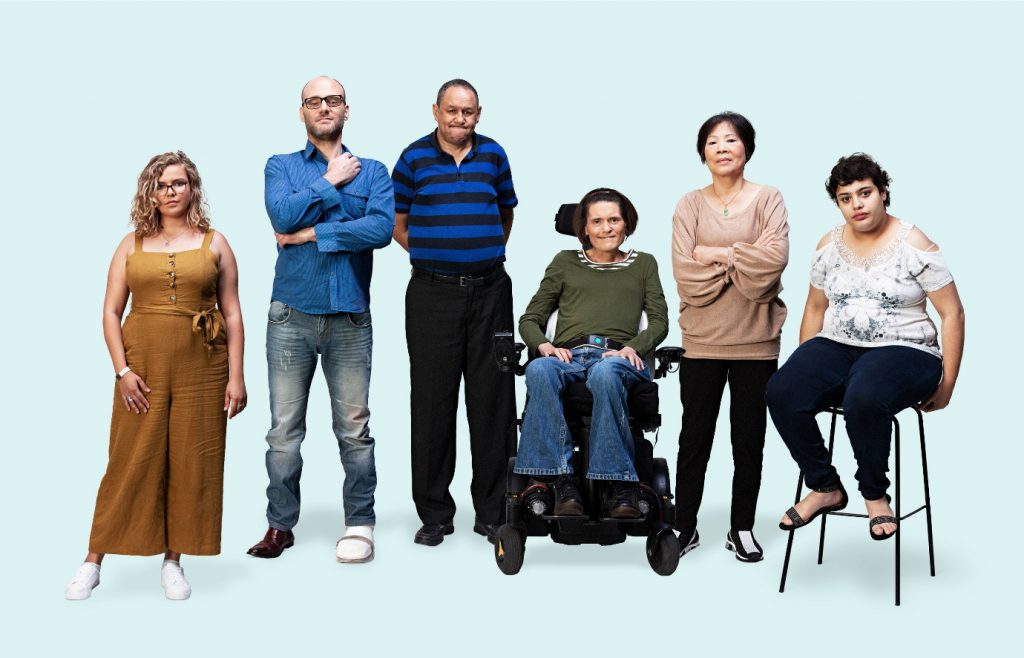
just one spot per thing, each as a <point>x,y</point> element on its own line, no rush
<point>666,357</point>
<point>507,353</point>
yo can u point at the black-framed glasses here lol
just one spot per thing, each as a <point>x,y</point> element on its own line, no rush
<point>313,102</point>
<point>178,186</point>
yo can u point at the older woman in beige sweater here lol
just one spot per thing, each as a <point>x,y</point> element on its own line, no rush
<point>729,247</point>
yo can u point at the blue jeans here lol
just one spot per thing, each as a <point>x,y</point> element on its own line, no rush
<point>545,445</point>
<point>871,383</point>
<point>343,342</point>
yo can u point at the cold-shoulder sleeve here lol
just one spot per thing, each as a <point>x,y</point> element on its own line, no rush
<point>928,268</point>
<point>545,300</point>
<point>819,267</point>
<point>698,284</point>
<point>757,268</point>
<point>656,308</point>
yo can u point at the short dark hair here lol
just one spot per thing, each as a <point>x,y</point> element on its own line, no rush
<point>457,82</point>
<point>579,218</point>
<point>743,128</point>
<point>855,167</point>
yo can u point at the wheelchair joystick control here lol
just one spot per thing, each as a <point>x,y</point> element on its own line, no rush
<point>507,352</point>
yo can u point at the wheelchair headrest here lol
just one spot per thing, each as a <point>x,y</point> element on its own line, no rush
<point>563,219</point>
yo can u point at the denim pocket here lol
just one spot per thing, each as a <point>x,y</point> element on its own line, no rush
<point>279,313</point>
<point>360,320</point>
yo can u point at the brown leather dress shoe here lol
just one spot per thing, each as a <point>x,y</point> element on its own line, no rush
<point>273,544</point>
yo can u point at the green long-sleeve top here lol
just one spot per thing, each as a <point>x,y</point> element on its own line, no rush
<point>603,302</point>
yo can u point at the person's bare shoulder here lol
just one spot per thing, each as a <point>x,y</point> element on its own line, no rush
<point>918,240</point>
<point>825,239</point>
<point>127,244</point>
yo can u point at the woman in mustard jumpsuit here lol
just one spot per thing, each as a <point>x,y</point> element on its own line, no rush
<point>178,363</point>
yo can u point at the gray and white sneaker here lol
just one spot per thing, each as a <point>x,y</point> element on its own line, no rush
<point>172,579</point>
<point>85,580</point>
<point>690,545</point>
<point>743,544</point>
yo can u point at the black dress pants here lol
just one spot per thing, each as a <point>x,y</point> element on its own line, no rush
<point>450,331</point>
<point>701,383</point>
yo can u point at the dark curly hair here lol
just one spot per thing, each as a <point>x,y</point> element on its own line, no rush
<point>744,130</point>
<point>579,218</point>
<point>859,166</point>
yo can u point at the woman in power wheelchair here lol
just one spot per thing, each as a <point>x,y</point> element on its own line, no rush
<point>600,294</point>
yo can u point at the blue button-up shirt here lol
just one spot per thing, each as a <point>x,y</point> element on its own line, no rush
<point>331,275</point>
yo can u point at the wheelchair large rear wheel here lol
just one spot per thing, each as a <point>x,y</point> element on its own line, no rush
<point>510,549</point>
<point>663,552</point>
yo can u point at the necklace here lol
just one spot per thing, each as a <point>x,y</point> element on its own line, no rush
<point>725,204</point>
<point>168,241</point>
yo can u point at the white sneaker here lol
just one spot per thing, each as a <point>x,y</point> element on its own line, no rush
<point>172,579</point>
<point>85,580</point>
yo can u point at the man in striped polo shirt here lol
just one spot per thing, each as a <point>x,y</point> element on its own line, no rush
<point>453,214</point>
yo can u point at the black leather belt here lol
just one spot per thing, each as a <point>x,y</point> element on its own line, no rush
<point>593,341</point>
<point>468,279</point>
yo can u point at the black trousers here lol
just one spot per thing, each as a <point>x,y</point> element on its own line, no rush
<point>701,383</point>
<point>449,330</point>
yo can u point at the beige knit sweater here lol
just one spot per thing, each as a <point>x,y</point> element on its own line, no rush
<point>731,312</point>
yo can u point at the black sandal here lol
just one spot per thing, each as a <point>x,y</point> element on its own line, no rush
<point>879,520</point>
<point>799,521</point>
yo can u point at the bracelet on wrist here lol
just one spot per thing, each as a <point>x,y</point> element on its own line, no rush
<point>123,372</point>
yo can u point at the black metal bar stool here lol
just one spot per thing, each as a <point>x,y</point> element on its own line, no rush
<point>927,507</point>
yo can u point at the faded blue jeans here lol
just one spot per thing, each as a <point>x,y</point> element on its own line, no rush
<point>545,445</point>
<point>343,343</point>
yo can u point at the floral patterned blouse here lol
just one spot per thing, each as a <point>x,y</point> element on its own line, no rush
<point>879,301</point>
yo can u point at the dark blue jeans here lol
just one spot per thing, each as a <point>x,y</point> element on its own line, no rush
<point>871,383</point>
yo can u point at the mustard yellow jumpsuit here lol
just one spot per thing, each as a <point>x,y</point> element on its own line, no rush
<point>163,488</point>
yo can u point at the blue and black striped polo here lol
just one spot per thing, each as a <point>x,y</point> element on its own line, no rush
<point>454,219</point>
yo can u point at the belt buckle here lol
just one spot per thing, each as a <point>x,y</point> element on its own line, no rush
<point>596,341</point>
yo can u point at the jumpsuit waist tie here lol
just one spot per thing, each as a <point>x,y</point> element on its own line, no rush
<point>205,323</point>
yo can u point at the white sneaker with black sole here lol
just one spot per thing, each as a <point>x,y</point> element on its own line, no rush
<point>690,545</point>
<point>743,544</point>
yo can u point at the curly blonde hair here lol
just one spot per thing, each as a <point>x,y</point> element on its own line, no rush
<point>144,215</point>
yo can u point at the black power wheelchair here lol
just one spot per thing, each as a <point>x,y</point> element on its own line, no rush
<point>529,504</point>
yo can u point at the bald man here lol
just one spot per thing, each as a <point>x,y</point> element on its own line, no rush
<point>329,210</point>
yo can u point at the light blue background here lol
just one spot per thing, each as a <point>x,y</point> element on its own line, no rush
<point>580,95</point>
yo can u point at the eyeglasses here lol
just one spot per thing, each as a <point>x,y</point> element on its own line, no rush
<point>178,186</point>
<point>313,102</point>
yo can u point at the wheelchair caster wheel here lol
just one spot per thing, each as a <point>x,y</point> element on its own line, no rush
<point>663,552</point>
<point>509,550</point>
